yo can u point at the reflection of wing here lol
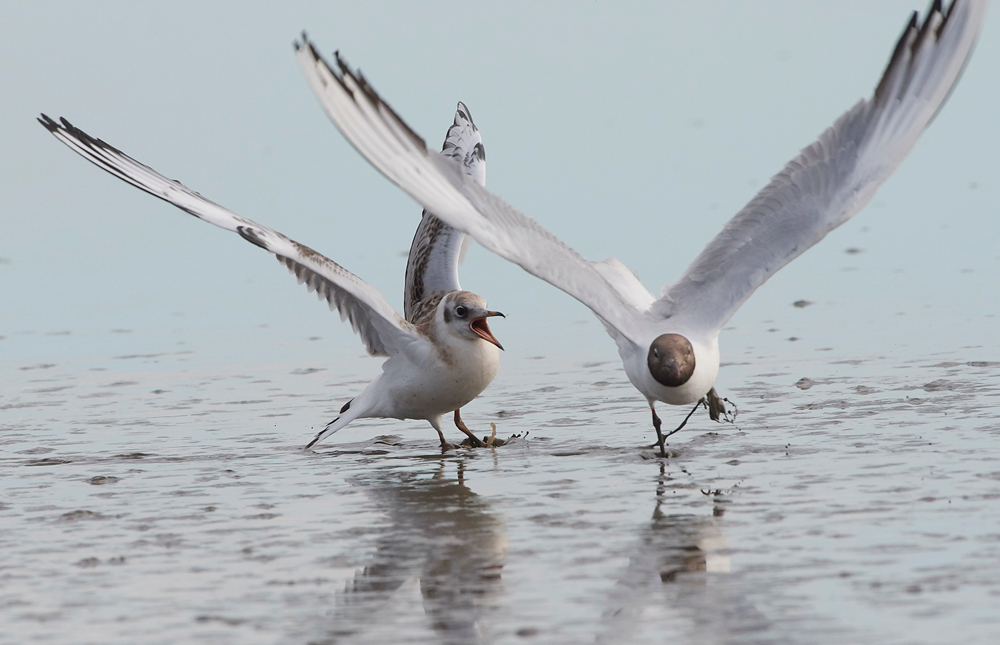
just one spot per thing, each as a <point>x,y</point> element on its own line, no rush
<point>380,327</point>
<point>676,583</point>
<point>441,533</point>
<point>835,177</point>
<point>441,186</point>
<point>437,248</point>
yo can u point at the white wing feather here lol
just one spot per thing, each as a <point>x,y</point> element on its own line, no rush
<point>626,282</point>
<point>441,186</point>
<point>835,177</point>
<point>381,329</point>
<point>437,249</point>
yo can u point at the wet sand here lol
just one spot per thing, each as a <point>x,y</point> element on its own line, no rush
<point>158,380</point>
<point>149,499</point>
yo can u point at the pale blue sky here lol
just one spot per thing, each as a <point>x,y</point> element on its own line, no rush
<point>629,130</point>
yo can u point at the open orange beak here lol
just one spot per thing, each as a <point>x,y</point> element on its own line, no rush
<point>482,330</point>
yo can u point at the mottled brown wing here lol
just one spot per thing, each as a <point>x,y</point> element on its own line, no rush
<point>437,248</point>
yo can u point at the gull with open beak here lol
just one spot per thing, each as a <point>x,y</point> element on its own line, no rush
<point>670,345</point>
<point>440,356</point>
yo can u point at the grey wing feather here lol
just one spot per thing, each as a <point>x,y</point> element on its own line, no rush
<point>437,249</point>
<point>381,329</point>
<point>441,185</point>
<point>835,177</point>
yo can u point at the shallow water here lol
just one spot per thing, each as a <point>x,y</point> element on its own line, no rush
<point>852,501</point>
<point>159,378</point>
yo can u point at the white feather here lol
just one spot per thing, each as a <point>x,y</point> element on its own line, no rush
<point>820,189</point>
<point>437,249</point>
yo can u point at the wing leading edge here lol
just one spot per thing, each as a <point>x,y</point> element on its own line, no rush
<point>381,329</point>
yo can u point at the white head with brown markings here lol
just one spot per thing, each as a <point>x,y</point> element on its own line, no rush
<point>465,315</point>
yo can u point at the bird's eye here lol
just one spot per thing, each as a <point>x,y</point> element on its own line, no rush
<point>460,311</point>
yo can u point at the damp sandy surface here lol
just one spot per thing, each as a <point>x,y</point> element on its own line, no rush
<point>153,498</point>
<point>158,378</point>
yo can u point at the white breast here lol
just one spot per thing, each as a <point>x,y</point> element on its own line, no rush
<point>445,381</point>
<point>706,369</point>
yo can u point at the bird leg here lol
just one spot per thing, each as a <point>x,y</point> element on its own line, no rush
<point>444,442</point>
<point>661,438</point>
<point>461,426</point>
<point>684,422</point>
<point>659,435</point>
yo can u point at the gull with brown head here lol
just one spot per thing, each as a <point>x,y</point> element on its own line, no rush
<point>670,345</point>
<point>441,356</point>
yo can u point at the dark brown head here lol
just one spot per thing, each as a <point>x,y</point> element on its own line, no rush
<point>671,360</point>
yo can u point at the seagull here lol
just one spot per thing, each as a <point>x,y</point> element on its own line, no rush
<point>669,345</point>
<point>440,356</point>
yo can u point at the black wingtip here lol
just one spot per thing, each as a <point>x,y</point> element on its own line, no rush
<point>925,28</point>
<point>897,54</point>
<point>80,134</point>
<point>305,41</point>
<point>47,121</point>
<point>359,79</point>
<point>341,63</point>
<point>320,433</point>
<point>318,59</point>
<point>345,70</point>
<point>463,109</point>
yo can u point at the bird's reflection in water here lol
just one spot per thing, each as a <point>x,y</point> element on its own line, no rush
<point>440,533</point>
<point>676,585</point>
<point>684,543</point>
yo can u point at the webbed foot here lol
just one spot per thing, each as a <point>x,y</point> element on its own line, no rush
<point>717,409</point>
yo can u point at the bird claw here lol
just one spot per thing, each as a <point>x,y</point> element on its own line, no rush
<point>717,410</point>
<point>493,441</point>
<point>473,442</point>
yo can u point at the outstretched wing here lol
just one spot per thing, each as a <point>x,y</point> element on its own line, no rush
<point>381,329</point>
<point>440,185</point>
<point>626,282</point>
<point>437,248</point>
<point>835,177</point>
